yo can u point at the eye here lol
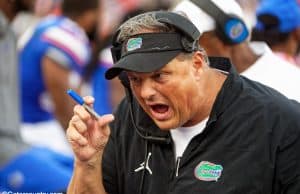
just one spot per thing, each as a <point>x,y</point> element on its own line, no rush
<point>159,76</point>
<point>134,79</point>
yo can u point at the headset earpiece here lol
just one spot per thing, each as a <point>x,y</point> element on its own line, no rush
<point>233,31</point>
<point>230,28</point>
<point>116,53</point>
<point>116,47</point>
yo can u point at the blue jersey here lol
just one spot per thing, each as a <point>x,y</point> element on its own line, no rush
<point>63,41</point>
<point>101,91</point>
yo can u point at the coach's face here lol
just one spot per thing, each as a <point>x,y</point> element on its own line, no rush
<point>172,95</point>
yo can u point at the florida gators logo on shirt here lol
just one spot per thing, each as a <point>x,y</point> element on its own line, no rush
<point>207,171</point>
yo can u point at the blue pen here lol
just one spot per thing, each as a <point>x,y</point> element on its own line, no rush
<point>80,101</point>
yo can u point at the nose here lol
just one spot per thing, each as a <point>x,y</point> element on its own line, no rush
<point>147,90</point>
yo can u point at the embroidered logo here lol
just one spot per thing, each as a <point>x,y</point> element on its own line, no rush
<point>134,43</point>
<point>207,171</point>
<point>236,30</point>
<point>145,165</point>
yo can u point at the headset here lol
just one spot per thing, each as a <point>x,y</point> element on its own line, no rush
<point>190,33</point>
<point>230,28</point>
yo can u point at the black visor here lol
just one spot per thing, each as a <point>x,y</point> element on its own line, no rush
<point>146,53</point>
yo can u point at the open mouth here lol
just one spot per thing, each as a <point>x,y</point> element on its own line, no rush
<point>160,111</point>
<point>160,108</point>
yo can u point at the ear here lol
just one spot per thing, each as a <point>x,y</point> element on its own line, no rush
<point>198,59</point>
<point>199,63</point>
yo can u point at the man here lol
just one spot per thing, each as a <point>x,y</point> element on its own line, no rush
<point>280,31</point>
<point>52,61</point>
<point>187,125</point>
<point>23,168</point>
<point>253,60</point>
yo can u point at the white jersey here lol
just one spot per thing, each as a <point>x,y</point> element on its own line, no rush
<point>274,72</point>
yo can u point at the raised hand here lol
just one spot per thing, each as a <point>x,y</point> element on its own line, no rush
<point>88,136</point>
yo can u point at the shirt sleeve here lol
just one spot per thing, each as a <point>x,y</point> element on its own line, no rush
<point>67,49</point>
<point>109,167</point>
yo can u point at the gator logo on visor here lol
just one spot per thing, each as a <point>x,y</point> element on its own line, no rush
<point>207,171</point>
<point>134,43</point>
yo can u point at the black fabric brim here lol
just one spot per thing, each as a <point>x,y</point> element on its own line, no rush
<point>141,62</point>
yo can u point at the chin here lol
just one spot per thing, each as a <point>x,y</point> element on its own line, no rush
<point>166,125</point>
